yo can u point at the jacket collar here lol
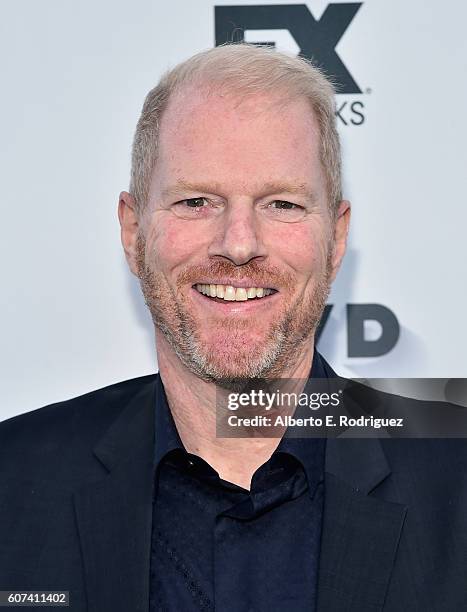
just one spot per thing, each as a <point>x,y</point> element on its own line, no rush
<point>114,514</point>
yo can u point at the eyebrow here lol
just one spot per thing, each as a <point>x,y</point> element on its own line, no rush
<point>269,188</point>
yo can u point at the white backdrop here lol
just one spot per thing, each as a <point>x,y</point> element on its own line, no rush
<point>74,76</point>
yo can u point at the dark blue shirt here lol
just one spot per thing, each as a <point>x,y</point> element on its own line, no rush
<point>218,546</point>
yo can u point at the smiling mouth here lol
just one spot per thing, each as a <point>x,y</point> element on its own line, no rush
<point>229,293</point>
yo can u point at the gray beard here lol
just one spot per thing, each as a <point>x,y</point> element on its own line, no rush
<point>280,350</point>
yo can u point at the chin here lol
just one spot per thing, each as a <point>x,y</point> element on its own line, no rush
<point>240,357</point>
<point>232,342</point>
<point>238,349</point>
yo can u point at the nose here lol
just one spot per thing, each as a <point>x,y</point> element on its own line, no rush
<point>238,237</point>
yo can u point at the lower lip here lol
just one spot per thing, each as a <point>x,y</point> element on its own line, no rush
<point>234,307</point>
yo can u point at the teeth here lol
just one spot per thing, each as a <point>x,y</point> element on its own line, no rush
<point>233,294</point>
<point>240,295</point>
<point>229,293</point>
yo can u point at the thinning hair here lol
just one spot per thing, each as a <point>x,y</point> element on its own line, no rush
<point>242,69</point>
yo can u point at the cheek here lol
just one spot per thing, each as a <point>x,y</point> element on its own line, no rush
<point>302,247</point>
<point>173,241</point>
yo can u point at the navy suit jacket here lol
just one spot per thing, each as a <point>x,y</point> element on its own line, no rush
<point>76,499</point>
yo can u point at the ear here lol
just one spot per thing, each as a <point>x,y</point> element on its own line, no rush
<point>341,231</point>
<point>129,224</point>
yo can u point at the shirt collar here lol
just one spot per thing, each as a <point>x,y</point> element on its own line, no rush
<point>309,451</point>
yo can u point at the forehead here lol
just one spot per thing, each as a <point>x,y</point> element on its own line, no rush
<point>238,140</point>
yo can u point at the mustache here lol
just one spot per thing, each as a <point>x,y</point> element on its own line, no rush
<point>258,273</point>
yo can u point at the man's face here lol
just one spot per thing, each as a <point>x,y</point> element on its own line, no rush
<point>237,207</point>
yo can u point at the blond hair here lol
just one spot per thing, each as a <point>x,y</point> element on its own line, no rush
<point>246,69</point>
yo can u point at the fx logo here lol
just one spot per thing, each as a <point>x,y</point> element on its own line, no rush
<point>316,40</point>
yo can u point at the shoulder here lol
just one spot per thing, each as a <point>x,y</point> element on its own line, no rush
<point>79,422</point>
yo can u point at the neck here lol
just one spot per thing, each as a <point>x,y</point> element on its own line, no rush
<point>192,402</point>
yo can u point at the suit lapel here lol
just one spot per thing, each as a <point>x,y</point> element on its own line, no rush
<point>360,533</point>
<point>114,515</point>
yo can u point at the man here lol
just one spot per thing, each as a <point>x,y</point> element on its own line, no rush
<point>125,497</point>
